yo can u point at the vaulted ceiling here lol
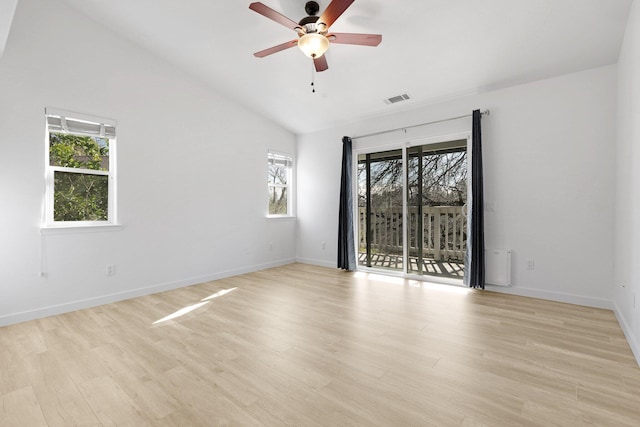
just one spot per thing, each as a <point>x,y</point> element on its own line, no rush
<point>7,9</point>
<point>431,49</point>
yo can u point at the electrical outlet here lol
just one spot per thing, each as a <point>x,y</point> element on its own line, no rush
<point>324,246</point>
<point>531,264</point>
<point>271,246</point>
<point>110,270</point>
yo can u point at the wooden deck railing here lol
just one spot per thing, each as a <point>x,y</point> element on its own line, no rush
<point>444,231</point>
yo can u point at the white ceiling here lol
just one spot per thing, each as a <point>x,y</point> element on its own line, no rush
<point>431,49</point>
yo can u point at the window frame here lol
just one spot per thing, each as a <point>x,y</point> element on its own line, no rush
<point>49,221</point>
<point>288,186</point>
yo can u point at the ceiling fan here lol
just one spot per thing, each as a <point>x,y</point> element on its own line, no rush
<point>313,31</point>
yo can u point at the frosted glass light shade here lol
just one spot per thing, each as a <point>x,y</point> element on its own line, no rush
<point>313,45</point>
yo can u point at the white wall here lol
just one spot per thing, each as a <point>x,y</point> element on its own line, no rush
<point>549,171</point>
<point>191,166</point>
<point>627,242</point>
<point>7,9</point>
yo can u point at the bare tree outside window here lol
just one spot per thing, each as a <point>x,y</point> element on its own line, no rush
<point>279,183</point>
<point>436,195</point>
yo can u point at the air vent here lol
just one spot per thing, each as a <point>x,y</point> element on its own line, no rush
<point>397,98</point>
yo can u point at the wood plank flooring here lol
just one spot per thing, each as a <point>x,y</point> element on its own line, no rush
<point>310,346</point>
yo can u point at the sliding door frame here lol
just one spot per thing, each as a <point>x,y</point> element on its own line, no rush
<point>403,145</point>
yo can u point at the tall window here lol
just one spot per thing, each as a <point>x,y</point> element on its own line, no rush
<point>80,169</point>
<point>279,184</point>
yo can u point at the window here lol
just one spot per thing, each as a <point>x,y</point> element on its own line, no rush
<point>279,184</point>
<point>80,169</point>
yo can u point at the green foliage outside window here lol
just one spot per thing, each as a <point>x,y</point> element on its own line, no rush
<point>79,196</point>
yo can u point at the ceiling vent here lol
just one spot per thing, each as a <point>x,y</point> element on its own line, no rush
<point>397,98</point>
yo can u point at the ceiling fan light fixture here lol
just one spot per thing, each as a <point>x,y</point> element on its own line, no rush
<point>313,45</point>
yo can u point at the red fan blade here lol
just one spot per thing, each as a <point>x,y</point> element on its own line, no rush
<point>333,12</point>
<point>275,49</point>
<point>352,38</point>
<point>273,15</point>
<point>321,63</point>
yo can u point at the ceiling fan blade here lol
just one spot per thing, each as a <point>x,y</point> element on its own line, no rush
<point>275,49</point>
<point>353,38</point>
<point>321,63</point>
<point>266,11</point>
<point>333,12</point>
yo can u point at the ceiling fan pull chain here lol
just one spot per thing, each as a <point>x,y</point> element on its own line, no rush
<point>313,77</point>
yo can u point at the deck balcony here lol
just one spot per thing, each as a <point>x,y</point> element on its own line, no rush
<point>436,239</point>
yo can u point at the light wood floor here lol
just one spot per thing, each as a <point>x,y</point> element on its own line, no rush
<point>303,345</point>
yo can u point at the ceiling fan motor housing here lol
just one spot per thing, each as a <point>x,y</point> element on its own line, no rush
<point>308,23</point>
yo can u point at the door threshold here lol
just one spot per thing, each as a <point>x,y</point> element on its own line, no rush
<point>420,278</point>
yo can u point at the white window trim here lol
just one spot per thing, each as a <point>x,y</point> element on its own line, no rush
<point>76,229</point>
<point>49,224</point>
<point>290,186</point>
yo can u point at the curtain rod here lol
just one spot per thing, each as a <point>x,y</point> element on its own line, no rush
<point>484,113</point>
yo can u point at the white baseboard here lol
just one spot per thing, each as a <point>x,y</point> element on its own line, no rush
<point>52,310</point>
<point>317,262</point>
<point>554,296</point>
<point>628,333</point>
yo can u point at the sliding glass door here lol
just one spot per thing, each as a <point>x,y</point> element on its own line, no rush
<point>436,203</point>
<point>380,210</point>
<point>412,209</point>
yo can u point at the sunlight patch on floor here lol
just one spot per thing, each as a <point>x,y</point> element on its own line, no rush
<point>380,278</point>
<point>219,294</point>
<point>452,289</point>
<point>190,308</point>
<point>394,280</point>
<point>181,312</point>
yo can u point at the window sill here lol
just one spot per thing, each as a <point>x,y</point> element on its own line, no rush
<point>280,217</point>
<point>73,229</point>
